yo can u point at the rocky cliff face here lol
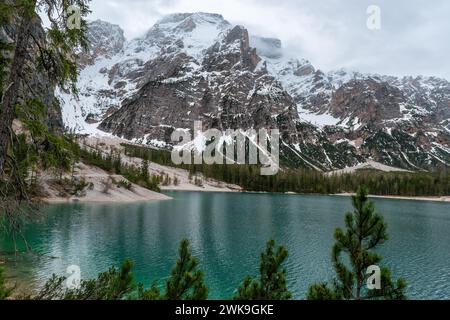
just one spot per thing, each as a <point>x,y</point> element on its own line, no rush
<point>398,121</point>
<point>224,89</point>
<point>198,66</point>
<point>106,40</point>
<point>37,83</point>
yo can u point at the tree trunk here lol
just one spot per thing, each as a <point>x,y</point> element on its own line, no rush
<point>12,89</point>
<point>358,286</point>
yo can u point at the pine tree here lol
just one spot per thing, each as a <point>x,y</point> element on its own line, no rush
<point>152,294</point>
<point>271,284</point>
<point>185,282</point>
<point>53,55</point>
<point>365,231</point>
<point>144,170</point>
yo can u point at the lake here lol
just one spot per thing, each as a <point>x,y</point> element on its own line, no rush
<point>227,233</point>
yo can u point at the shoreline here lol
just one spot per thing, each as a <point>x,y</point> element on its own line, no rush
<point>208,189</point>
<point>443,199</point>
<point>136,197</point>
<point>102,201</point>
<point>104,188</point>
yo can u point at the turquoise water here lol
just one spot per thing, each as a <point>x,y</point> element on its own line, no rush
<point>228,232</point>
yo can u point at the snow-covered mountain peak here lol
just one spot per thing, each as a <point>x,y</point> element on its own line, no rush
<point>191,33</point>
<point>105,40</point>
<point>185,19</point>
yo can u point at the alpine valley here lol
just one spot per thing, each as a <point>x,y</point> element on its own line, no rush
<point>199,67</point>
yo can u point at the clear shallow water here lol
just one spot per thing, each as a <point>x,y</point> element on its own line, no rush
<point>227,234</point>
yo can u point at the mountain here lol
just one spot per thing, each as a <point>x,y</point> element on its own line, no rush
<point>198,66</point>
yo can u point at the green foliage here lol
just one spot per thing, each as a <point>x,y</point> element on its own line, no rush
<point>6,10</point>
<point>37,148</point>
<point>57,55</point>
<point>185,282</point>
<point>112,163</point>
<point>57,154</point>
<point>321,291</point>
<point>4,291</point>
<point>27,156</point>
<point>4,62</point>
<point>365,231</point>
<point>198,182</point>
<point>390,290</point>
<point>53,55</point>
<point>125,184</point>
<point>152,294</point>
<point>110,285</point>
<point>5,47</point>
<point>72,187</point>
<point>153,155</point>
<point>33,150</point>
<point>271,284</point>
<point>144,169</point>
<point>308,181</point>
<point>166,180</point>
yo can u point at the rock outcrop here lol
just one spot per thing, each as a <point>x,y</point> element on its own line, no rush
<point>37,84</point>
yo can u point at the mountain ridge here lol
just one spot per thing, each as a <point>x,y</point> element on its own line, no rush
<point>200,67</point>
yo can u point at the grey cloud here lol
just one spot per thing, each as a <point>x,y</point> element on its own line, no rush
<point>331,33</point>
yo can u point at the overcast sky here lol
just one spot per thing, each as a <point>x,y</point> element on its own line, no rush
<point>414,37</point>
